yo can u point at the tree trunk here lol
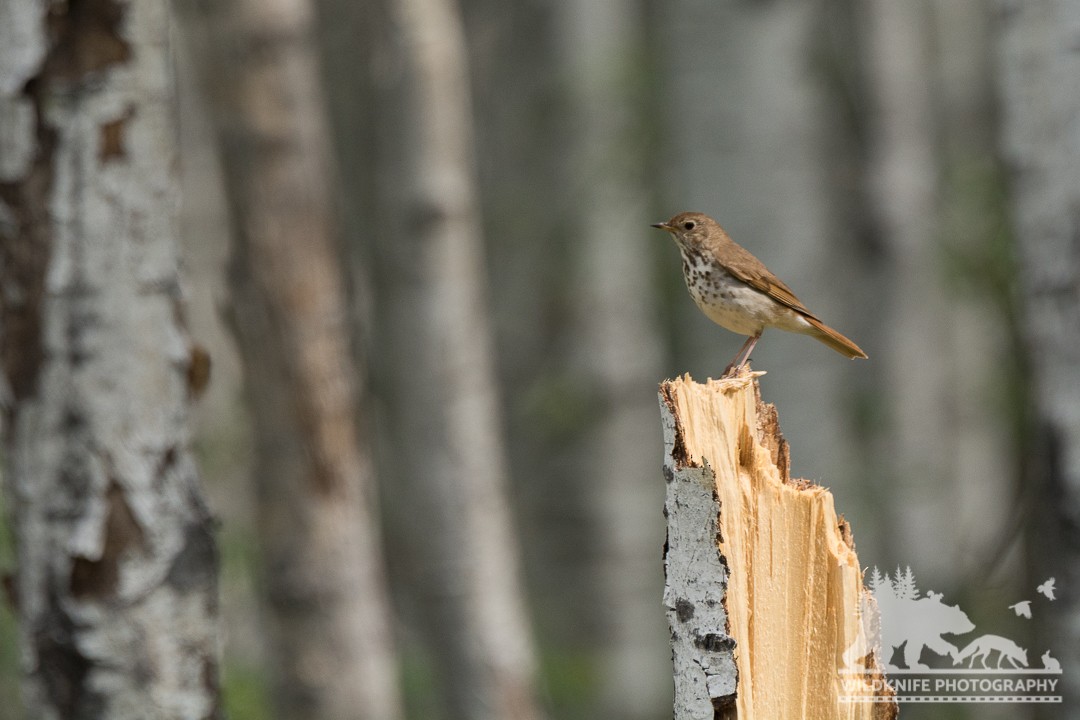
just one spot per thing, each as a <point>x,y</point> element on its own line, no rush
<point>764,591</point>
<point>617,348</point>
<point>981,321</point>
<point>445,411</point>
<point>117,565</point>
<point>1040,85</point>
<point>914,311</point>
<point>330,617</point>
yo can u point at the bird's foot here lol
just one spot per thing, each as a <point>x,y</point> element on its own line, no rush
<point>734,371</point>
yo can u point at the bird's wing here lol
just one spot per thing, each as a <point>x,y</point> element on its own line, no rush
<point>1047,588</point>
<point>747,268</point>
<point>1022,608</point>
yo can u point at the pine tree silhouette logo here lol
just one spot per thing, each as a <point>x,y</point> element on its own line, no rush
<point>917,638</point>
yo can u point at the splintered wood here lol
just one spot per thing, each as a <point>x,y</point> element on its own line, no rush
<point>776,624</point>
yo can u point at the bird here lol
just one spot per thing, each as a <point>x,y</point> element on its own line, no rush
<point>1022,609</point>
<point>737,292</point>
<point>1047,588</point>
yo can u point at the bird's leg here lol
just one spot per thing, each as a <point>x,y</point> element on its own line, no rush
<point>742,356</point>
<point>749,349</point>
<point>736,363</point>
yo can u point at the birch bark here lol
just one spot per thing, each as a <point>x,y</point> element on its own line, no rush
<point>116,585</point>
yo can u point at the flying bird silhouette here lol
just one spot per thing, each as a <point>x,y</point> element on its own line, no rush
<point>1047,588</point>
<point>1022,609</point>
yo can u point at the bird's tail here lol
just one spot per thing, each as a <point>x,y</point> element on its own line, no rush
<point>835,340</point>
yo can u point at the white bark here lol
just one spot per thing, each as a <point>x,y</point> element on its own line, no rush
<point>618,350</point>
<point>703,652</point>
<point>330,618</point>
<point>1041,131</point>
<point>449,444</point>
<point>117,565</point>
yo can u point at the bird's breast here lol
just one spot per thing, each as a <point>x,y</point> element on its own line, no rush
<point>731,303</point>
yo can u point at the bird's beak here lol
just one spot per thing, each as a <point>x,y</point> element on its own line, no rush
<point>663,226</point>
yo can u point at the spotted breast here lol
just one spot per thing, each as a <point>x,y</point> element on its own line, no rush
<point>731,303</point>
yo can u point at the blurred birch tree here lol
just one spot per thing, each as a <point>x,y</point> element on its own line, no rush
<point>332,646</point>
<point>616,348</point>
<point>448,463</point>
<point>1040,87</point>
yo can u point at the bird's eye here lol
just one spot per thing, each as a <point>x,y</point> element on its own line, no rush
<point>689,225</point>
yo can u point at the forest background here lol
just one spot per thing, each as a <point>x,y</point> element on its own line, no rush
<point>471,186</point>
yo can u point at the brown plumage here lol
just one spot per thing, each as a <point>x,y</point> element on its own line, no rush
<point>736,291</point>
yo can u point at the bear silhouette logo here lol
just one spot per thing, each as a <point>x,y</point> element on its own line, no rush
<point>906,621</point>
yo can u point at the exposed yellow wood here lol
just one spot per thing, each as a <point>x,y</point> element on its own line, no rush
<point>795,587</point>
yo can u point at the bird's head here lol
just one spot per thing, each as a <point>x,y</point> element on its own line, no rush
<point>691,230</point>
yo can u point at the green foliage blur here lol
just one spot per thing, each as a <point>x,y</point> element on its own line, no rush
<point>9,638</point>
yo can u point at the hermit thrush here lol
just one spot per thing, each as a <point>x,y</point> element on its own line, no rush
<point>737,292</point>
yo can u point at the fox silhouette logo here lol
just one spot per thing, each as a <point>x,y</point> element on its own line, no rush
<point>981,647</point>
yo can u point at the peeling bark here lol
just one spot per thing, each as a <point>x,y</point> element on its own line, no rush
<point>703,650</point>
<point>104,494</point>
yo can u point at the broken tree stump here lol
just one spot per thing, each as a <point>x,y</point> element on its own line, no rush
<point>764,594</point>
